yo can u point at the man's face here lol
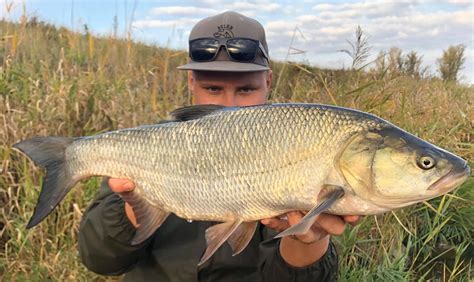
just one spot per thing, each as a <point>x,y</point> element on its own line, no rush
<point>230,88</point>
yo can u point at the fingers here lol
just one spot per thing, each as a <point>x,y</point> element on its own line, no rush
<point>275,223</point>
<point>131,215</point>
<point>332,224</point>
<point>325,223</point>
<point>316,233</point>
<point>281,224</point>
<point>352,219</point>
<point>294,217</point>
<point>119,185</point>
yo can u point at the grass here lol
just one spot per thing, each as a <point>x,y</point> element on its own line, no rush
<point>57,82</point>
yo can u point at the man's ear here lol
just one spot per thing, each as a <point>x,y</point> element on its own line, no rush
<point>269,79</point>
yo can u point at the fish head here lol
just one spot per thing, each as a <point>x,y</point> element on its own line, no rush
<point>392,168</point>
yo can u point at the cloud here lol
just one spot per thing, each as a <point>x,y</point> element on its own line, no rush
<point>153,23</point>
<point>460,2</point>
<point>307,18</point>
<point>247,8</point>
<point>183,10</point>
<point>332,30</point>
<point>403,27</point>
<point>182,22</point>
<point>279,25</point>
<point>265,6</point>
<point>362,9</point>
<point>324,7</point>
<point>463,17</point>
<point>416,25</point>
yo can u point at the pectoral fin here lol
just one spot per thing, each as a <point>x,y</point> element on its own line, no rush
<point>307,221</point>
<point>216,235</point>
<point>241,237</point>
<point>149,218</point>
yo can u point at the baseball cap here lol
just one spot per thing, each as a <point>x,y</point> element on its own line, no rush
<point>229,24</point>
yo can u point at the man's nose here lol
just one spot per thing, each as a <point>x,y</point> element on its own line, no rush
<point>230,99</point>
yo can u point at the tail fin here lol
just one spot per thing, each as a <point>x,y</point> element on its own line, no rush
<point>49,152</point>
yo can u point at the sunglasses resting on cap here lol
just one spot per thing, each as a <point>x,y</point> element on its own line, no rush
<point>238,49</point>
<point>242,38</point>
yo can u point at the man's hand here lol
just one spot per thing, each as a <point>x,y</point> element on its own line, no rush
<point>118,185</point>
<point>325,224</point>
<point>303,250</point>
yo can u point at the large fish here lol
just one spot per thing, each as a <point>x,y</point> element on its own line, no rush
<point>240,165</point>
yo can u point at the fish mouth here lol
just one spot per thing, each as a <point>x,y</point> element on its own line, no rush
<point>451,180</point>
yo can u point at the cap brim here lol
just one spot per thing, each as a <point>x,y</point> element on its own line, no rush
<point>223,66</point>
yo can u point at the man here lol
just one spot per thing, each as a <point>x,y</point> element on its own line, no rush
<point>229,66</point>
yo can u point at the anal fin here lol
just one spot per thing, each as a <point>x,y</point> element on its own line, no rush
<point>149,218</point>
<point>216,235</point>
<point>241,237</point>
<point>307,221</point>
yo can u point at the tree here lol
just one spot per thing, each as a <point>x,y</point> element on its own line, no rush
<point>412,65</point>
<point>381,62</point>
<point>395,60</point>
<point>397,63</point>
<point>451,62</point>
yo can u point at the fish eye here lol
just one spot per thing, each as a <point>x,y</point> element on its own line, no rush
<point>426,162</point>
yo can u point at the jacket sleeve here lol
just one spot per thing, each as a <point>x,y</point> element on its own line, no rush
<point>105,234</point>
<point>272,267</point>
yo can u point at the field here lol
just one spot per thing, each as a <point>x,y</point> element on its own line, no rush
<point>57,82</point>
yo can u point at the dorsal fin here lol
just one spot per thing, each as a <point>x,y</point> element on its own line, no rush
<point>194,112</point>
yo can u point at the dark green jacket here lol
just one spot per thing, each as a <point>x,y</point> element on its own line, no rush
<point>173,252</point>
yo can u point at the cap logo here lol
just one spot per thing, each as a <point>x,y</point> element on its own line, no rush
<point>224,31</point>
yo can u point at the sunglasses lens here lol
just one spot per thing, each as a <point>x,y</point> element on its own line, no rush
<point>242,50</point>
<point>203,49</point>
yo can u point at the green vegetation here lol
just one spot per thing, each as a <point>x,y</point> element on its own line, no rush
<point>57,82</point>
<point>452,62</point>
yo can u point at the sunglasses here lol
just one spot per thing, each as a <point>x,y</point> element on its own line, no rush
<point>238,49</point>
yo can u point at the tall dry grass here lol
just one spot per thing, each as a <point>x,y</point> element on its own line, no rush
<point>57,82</point>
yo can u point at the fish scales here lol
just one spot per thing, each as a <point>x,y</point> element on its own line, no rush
<point>253,163</point>
<point>240,165</point>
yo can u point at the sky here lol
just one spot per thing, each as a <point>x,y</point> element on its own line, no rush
<point>320,29</point>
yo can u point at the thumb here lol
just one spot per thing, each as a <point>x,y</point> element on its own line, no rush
<point>119,185</point>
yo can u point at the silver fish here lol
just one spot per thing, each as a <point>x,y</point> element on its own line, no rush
<point>240,165</point>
